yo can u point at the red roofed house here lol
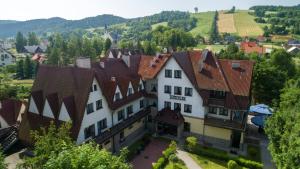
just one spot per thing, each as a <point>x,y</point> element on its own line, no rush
<point>252,47</point>
<point>115,100</point>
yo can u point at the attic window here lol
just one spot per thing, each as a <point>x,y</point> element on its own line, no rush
<point>117,96</point>
<point>130,91</point>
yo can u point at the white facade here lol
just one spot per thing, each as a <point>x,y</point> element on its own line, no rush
<point>6,58</point>
<point>97,115</point>
<point>195,100</point>
<point>63,114</point>
<point>47,112</point>
<point>32,106</point>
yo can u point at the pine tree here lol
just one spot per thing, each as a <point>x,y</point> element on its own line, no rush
<point>20,69</point>
<point>107,44</point>
<point>28,68</point>
<point>32,39</point>
<point>20,42</point>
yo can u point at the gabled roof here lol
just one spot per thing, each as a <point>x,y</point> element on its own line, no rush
<point>10,110</point>
<point>250,47</point>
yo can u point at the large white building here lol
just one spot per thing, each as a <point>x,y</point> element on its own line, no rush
<point>116,100</point>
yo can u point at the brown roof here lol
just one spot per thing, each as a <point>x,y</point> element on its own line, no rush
<point>169,116</point>
<point>150,66</point>
<point>10,110</point>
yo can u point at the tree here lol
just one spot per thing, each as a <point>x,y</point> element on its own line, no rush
<point>149,48</point>
<point>268,80</point>
<point>196,9</point>
<point>283,128</point>
<point>20,69</point>
<point>54,149</point>
<point>284,61</point>
<point>32,39</point>
<point>107,44</point>
<point>28,68</point>
<point>20,42</point>
<point>53,57</point>
<point>98,46</point>
<point>88,50</point>
<point>3,165</point>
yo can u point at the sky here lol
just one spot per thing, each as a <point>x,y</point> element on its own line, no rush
<point>78,9</point>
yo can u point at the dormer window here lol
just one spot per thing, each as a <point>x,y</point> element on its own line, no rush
<point>130,91</point>
<point>95,87</point>
<point>117,96</point>
<point>217,94</point>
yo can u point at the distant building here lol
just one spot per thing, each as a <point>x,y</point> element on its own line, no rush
<point>119,53</point>
<point>39,58</point>
<point>252,47</point>
<point>261,39</point>
<point>293,50</point>
<point>6,58</point>
<point>114,37</point>
<point>34,49</point>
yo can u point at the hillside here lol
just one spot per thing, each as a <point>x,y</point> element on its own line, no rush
<point>204,23</point>
<point>40,26</point>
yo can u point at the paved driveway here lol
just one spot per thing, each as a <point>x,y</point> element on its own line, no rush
<point>150,155</point>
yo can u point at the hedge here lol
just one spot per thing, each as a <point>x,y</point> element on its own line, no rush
<point>162,161</point>
<point>225,157</point>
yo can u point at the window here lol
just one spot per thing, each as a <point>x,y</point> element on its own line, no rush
<point>217,94</point>
<point>99,104</point>
<point>187,108</point>
<point>168,89</point>
<point>212,110</point>
<point>129,110</point>
<point>102,124</point>
<point>129,91</point>
<point>187,127</point>
<point>223,112</point>
<point>177,106</point>
<point>167,104</point>
<point>177,90</point>
<point>153,88</point>
<point>177,74</point>
<point>141,86</point>
<point>117,96</point>
<point>90,108</point>
<point>122,137</point>
<point>168,73</point>
<point>120,115</point>
<point>188,91</point>
<point>237,115</point>
<point>89,131</point>
<point>95,87</point>
<point>141,104</point>
<point>91,89</point>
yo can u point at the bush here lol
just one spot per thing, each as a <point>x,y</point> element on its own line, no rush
<point>232,165</point>
<point>173,158</point>
<point>248,163</point>
<point>160,164</point>
<point>191,143</point>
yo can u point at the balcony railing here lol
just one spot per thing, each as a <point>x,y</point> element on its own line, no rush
<point>216,102</point>
<point>121,126</point>
<point>224,123</point>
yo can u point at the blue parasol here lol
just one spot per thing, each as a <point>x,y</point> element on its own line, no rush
<point>261,109</point>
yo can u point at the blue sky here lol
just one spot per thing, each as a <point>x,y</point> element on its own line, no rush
<point>77,9</point>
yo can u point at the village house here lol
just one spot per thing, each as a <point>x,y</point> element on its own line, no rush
<point>116,100</point>
<point>34,49</point>
<point>6,58</point>
<point>252,47</point>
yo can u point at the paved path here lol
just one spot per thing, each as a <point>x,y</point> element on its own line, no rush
<point>189,162</point>
<point>265,155</point>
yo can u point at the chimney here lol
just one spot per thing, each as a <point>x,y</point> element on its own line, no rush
<point>83,62</point>
<point>102,65</point>
<point>113,79</point>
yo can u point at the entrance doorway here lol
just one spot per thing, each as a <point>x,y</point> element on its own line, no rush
<point>164,128</point>
<point>236,139</point>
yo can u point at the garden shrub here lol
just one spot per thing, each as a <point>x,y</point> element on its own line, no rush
<point>232,165</point>
<point>191,143</point>
<point>160,164</point>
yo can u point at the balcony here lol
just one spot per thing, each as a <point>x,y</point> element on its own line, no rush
<point>121,126</point>
<point>223,123</point>
<point>216,102</point>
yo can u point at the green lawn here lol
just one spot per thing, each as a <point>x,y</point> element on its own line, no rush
<point>179,165</point>
<point>209,163</point>
<point>253,153</point>
<point>214,48</point>
<point>245,24</point>
<point>159,24</point>
<point>204,23</point>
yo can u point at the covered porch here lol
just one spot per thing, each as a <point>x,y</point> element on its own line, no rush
<point>169,123</point>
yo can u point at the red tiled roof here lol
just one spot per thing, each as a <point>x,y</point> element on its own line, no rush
<point>10,110</point>
<point>150,66</point>
<point>250,47</point>
<point>169,116</point>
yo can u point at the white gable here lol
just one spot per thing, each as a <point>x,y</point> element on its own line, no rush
<point>118,91</point>
<point>47,112</point>
<point>64,115</point>
<point>141,84</point>
<point>110,55</point>
<point>130,86</point>
<point>3,123</point>
<point>32,106</point>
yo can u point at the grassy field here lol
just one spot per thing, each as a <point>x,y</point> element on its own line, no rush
<point>226,23</point>
<point>214,48</point>
<point>26,82</point>
<point>178,165</point>
<point>245,24</point>
<point>159,24</point>
<point>208,163</point>
<point>204,23</point>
